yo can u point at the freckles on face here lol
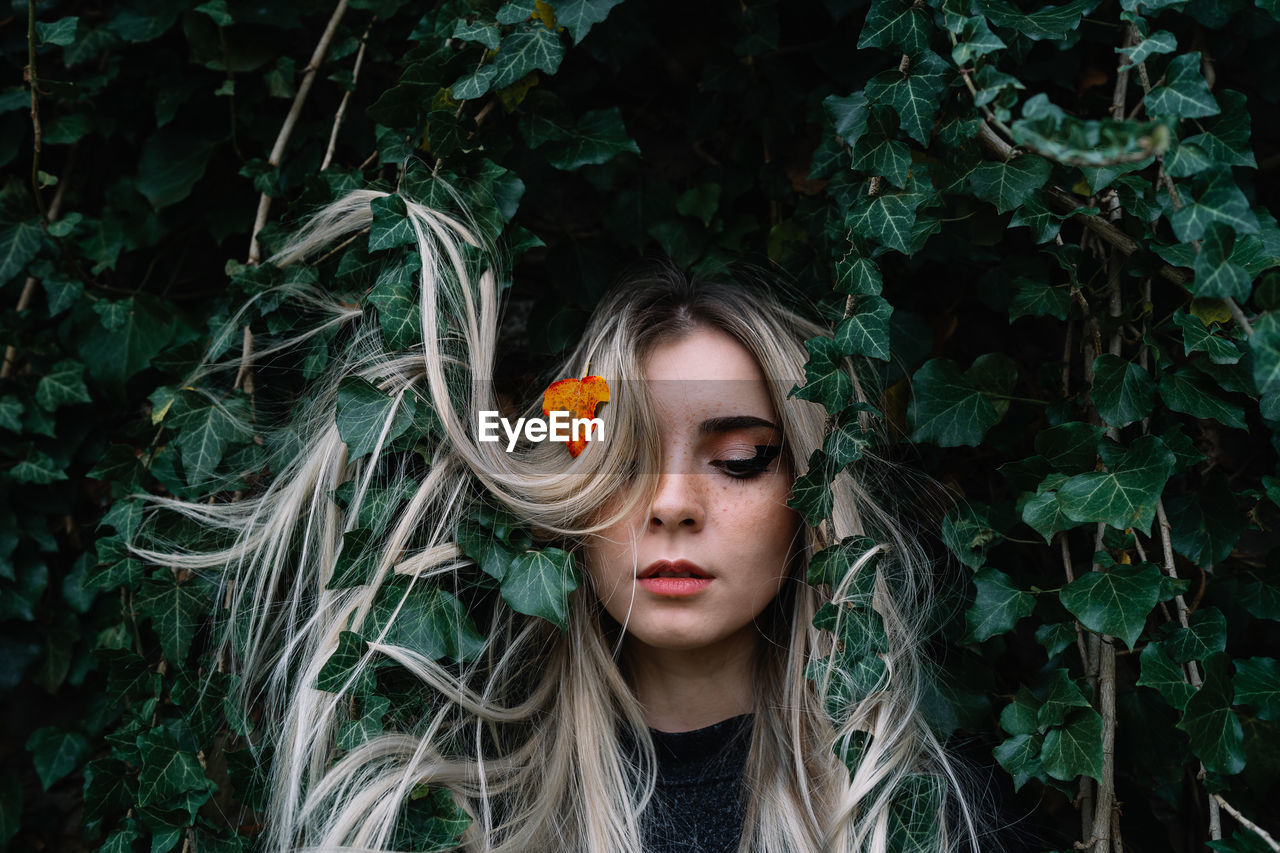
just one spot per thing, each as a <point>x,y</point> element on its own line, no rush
<point>719,510</point>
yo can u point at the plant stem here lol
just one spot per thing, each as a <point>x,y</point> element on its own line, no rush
<point>291,120</point>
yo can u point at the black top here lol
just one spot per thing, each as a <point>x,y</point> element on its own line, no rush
<point>698,804</point>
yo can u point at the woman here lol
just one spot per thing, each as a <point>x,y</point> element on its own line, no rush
<point>703,712</point>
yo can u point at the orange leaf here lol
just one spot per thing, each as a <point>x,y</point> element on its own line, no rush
<point>578,397</point>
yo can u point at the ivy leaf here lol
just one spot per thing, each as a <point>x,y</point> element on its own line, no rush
<point>997,607</point>
<point>858,276</point>
<point>1122,391</point>
<point>395,295</point>
<point>367,726</point>
<point>430,621</point>
<point>1043,511</point>
<point>913,814</point>
<point>969,534</point>
<point>174,610</point>
<point>61,32</point>
<point>1037,297</point>
<point>483,545</point>
<point>1020,757</point>
<point>343,664</point>
<point>579,16</point>
<point>1074,749</point>
<point>1206,523</point>
<point>1257,683</point>
<point>1071,447</point>
<point>130,333</point>
<point>364,414</point>
<point>37,468</point>
<point>356,560</point>
<point>205,428</point>
<point>1225,137</point>
<point>1010,184</point>
<point>1217,199</point>
<point>1185,93</point>
<point>1195,395</point>
<point>830,565</point>
<point>172,162</point>
<point>534,48</point>
<point>1062,696</point>
<point>1161,41</point>
<point>538,583</point>
<point>1197,338</point>
<point>167,769</point>
<point>1217,737</point>
<point>825,379</point>
<point>1124,496</point>
<point>596,137</point>
<point>1115,602</point>
<point>19,243</point>
<point>1216,276</point>
<point>1021,716</point>
<point>866,332</point>
<point>1160,672</point>
<point>1206,633</point>
<point>845,445</point>
<point>878,151</point>
<point>391,226</point>
<point>896,24</point>
<point>56,752</point>
<point>848,115</point>
<point>1264,343</point>
<point>951,408</point>
<point>1056,637</point>
<point>974,40</point>
<point>1048,22</point>
<point>477,31</point>
<point>810,494</point>
<point>914,96</point>
<point>888,218</point>
<point>63,384</point>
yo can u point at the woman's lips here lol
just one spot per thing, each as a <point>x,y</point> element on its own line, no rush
<point>675,586</point>
<point>658,577</point>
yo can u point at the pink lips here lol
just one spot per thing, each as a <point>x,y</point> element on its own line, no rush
<point>650,580</point>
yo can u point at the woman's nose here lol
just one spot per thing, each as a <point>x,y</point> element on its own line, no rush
<point>678,502</point>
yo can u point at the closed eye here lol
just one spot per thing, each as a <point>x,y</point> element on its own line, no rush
<point>746,469</point>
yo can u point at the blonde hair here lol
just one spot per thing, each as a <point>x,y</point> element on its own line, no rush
<point>528,732</point>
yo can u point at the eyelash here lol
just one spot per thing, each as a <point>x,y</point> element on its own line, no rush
<point>750,468</point>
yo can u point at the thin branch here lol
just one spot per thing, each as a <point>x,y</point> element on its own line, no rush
<point>29,286</point>
<point>1066,565</point>
<point>346,97</point>
<point>33,80</point>
<point>1063,200</point>
<point>291,120</point>
<point>1246,823</point>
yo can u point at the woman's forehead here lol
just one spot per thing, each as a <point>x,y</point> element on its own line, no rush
<point>704,377</point>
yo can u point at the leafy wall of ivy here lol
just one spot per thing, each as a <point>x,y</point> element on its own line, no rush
<point>1051,224</point>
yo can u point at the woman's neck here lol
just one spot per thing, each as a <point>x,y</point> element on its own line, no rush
<point>686,689</point>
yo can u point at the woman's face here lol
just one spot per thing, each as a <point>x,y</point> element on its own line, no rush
<point>720,504</point>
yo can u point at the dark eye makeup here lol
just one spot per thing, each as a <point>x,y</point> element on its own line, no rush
<point>745,469</point>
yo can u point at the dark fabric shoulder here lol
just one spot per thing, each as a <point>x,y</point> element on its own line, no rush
<point>698,804</point>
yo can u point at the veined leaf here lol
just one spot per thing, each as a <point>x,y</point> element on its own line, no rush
<point>538,583</point>
<point>1126,494</point>
<point>1114,602</point>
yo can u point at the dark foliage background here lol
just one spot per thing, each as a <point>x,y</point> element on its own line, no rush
<point>1061,252</point>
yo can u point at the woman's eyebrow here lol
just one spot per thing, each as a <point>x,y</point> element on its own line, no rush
<point>713,426</point>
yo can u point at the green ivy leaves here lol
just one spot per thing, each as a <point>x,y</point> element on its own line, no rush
<point>538,583</point>
<point>952,408</point>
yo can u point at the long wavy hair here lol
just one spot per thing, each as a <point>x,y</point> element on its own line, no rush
<point>535,734</point>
